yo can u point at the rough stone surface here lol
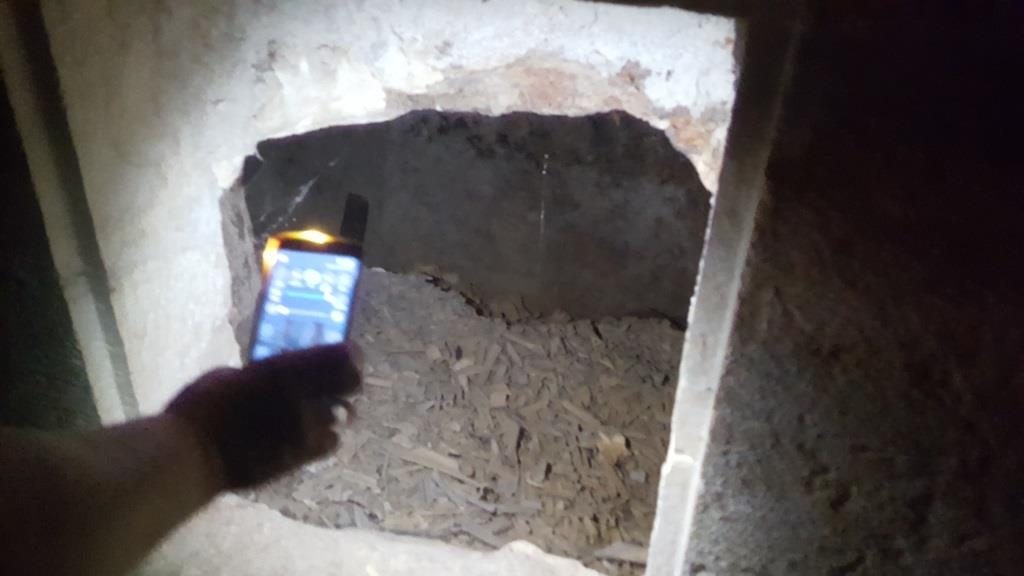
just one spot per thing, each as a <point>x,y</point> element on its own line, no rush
<point>166,100</point>
<point>233,536</point>
<point>869,418</point>
<point>770,48</point>
<point>482,433</point>
<point>666,549</point>
<point>526,214</point>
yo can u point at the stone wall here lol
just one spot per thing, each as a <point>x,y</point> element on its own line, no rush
<point>869,417</point>
<point>165,101</point>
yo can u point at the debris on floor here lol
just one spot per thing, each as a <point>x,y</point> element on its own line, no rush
<point>480,433</point>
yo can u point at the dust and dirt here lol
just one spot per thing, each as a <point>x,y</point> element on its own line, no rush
<point>478,432</point>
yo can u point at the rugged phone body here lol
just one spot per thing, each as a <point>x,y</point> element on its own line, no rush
<point>308,293</point>
<point>309,286</point>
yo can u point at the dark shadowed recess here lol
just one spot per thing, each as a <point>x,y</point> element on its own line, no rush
<point>44,383</point>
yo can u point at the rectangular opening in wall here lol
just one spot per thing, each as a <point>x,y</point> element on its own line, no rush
<point>522,322</point>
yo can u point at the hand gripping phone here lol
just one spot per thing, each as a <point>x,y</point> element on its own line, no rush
<point>309,286</point>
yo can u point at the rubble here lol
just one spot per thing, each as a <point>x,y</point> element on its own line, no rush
<point>479,432</point>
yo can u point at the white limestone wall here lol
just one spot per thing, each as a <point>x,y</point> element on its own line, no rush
<point>164,99</point>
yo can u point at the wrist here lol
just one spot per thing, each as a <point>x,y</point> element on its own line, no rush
<point>196,441</point>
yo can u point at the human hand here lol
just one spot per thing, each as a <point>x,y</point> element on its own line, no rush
<point>271,416</point>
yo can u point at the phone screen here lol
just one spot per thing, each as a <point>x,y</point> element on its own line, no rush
<point>307,301</point>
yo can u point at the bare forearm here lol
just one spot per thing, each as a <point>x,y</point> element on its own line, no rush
<point>165,475</point>
<point>95,504</point>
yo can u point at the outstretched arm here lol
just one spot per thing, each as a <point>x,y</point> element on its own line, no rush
<point>96,503</point>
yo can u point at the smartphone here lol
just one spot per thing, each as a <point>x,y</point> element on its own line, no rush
<point>309,287</point>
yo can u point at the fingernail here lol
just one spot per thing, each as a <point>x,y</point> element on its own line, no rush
<point>344,412</point>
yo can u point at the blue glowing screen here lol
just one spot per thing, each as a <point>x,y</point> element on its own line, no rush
<point>307,302</point>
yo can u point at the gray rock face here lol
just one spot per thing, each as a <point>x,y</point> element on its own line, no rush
<point>868,421</point>
<point>527,214</point>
